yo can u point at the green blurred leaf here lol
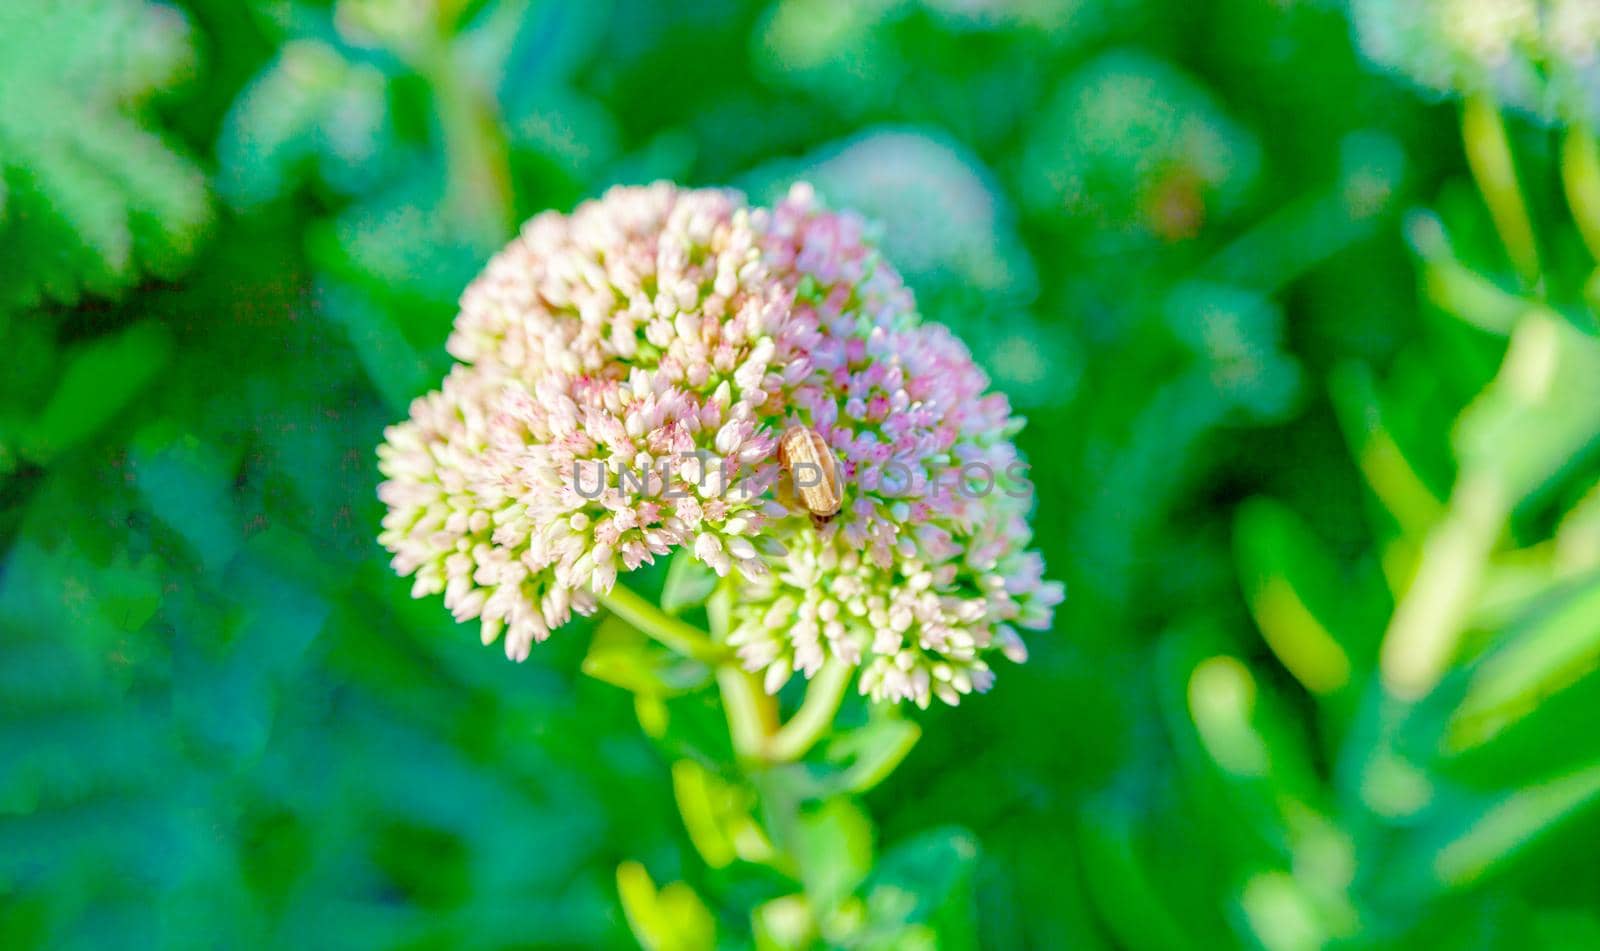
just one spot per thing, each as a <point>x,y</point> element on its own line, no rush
<point>187,484</point>
<point>100,379</point>
<point>717,815</point>
<point>921,894</point>
<point>1236,334</point>
<point>1386,459</point>
<point>1459,290</point>
<point>672,919</point>
<point>311,111</point>
<point>94,198</point>
<point>833,846</point>
<point>1282,916</point>
<point>1492,837</point>
<point>784,924</point>
<point>1540,414</point>
<point>1548,652</point>
<point>1295,590</point>
<point>1118,876</point>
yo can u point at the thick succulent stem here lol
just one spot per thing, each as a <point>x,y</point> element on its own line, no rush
<point>751,713</point>
<point>815,716</point>
<point>673,633</point>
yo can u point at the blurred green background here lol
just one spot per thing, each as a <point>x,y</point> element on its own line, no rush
<point>1186,239</point>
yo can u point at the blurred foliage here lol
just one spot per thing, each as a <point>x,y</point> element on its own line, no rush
<point>1310,365</point>
<point>91,197</point>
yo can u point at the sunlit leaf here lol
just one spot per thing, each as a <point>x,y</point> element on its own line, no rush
<point>671,919</point>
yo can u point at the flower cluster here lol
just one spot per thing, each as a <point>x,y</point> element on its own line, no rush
<point>658,324</point>
<point>1539,56</point>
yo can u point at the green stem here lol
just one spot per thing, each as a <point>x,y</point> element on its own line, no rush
<point>815,716</point>
<point>750,712</point>
<point>1293,240</point>
<point>1427,624</point>
<point>478,188</point>
<point>677,635</point>
<point>752,715</point>
<point>1489,155</point>
<point>1580,173</point>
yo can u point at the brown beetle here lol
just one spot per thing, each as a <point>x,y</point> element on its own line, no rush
<point>813,472</point>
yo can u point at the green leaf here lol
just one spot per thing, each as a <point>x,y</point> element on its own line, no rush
<point>1282,915</point>
<point>1246,730</point>
<point>1457,289</point>
<point>100,379</point>
<point>393,365</point>
<point>312,110</point>
<point>833,846</point>
<point>870,753</point>
<point>1137,913</point>
<point>689,583</point>
<point>1539,414</point>
<point>187,484</point>
<point>1577,538</point>
<point>784,924</point>
<point>1387,460</point>
<point>94,198</point>
<point>1491,838</point>
<point>1553,649</point>
<point>622,656</point>
<point>922,889</point>
<point>672,919</point>
<point>715,813</point>
<point>1127,127</point>
<point>1294,590</point>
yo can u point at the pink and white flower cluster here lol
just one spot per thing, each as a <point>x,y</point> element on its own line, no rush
<point>656,322</point>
